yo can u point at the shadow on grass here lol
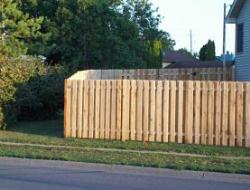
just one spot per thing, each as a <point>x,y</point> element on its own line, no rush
<point>52,128</point>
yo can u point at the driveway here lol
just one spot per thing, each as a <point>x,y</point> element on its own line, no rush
<point>22,174</point>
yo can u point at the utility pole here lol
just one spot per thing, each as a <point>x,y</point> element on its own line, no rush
<point>224,35</point>
<point>191,42</point>
<point>2,26</point>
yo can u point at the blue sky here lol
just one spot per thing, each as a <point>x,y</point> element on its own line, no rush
<point>204,17</point>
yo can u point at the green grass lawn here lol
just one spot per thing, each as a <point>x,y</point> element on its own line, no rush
<point>51,133</point>
<point>135,159</point>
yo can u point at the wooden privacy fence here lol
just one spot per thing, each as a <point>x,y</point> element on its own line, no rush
<point>191,112</point>
<point>160,74</point>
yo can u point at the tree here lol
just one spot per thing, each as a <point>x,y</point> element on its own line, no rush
<point>207,52</point>
<point>17,28</point>
<point>185,51</point>
<point>100,33</point>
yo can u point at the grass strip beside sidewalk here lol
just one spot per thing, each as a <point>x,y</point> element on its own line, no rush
<point>50,133</point>
<point>121,150</point>
<point>157,160</point>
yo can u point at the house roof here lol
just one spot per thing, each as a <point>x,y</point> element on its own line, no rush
<point>176,57</point>
<point>179,60</point>
<point>235,10</point>
<point>199,64</point>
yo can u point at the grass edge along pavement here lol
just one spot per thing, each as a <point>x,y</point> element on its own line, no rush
<point>157,160</point>
<point>122,150</point>
<point>50,133</point>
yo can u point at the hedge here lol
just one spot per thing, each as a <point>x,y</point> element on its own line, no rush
<point>29,89</point>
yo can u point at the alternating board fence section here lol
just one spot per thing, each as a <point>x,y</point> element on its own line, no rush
<point>191,112</point>
<point>160,74</point>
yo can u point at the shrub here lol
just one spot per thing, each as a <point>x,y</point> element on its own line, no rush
<point>29,89</point>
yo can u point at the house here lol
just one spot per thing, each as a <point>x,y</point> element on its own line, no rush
<point>229,57</point>
<point>200,64</point>
<point>239,14</point>
<point>178,60</point>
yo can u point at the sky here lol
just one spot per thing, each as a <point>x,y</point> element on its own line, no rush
<point>203,17</point>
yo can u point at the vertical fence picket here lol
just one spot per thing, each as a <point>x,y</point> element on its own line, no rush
<point>172,111</point>
<point>74,108</point>
<point>97,108</point>
<point>218,113</point>
<point>107,110</point>
<point>102,109</point>
<point>189,113</point>
<point>119,110</point>
<point>125,109</point>
<point>247,116</point>
<point>180,112</point>
<point>146,110</point>
<point>79,108</point>
<point>113,110</point>
<point>197,113</point>
<point>239,115</point>
<point>67,108</point>
<point>232,114</point>
<point>211,108</point>
<point>91,109</point>
<point>152,121</point>
<point>166,114</point>
<point>85,110</point>
<point>133,110</point>
<point>139,110</point>
<point>159,114</point>
<point>225,117</point>
<point>204,114</point>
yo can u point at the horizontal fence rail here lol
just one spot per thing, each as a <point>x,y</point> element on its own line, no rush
<point>225,74</point>
<point>189,112</point>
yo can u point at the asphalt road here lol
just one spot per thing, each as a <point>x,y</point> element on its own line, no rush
<point>21,174</point>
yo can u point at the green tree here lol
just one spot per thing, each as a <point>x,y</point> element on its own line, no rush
<point>101,33</point>
<point>17,28</point>
<point>207,52</point>
<point>185,51</point>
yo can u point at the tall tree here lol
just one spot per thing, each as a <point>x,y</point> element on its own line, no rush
<point>17,28</point>
<point>101,33</point>
<point>185,51</point>
<point>207,52</point>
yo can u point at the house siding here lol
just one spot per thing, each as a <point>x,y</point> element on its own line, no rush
<point>242,62</point>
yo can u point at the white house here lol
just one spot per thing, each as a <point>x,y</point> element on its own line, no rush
<point>239,14</point>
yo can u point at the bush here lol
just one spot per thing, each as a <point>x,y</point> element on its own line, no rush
<point>29,89</point>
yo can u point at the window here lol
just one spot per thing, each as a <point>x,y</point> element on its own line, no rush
<point>239,38</point>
